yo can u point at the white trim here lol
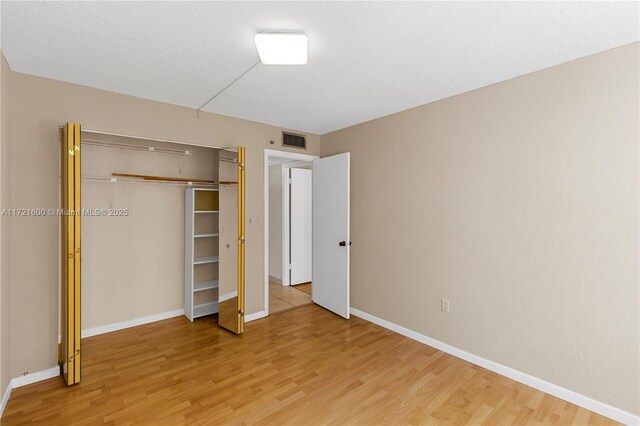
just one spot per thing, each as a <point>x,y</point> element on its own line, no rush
<point>542,385</point>
<point>278,154</point>
<point>297,165</point>
<point>255,316</point>
<point>285,227</point>
<point>38,376</point>
<point>89,332</point>
<point>5,398</point>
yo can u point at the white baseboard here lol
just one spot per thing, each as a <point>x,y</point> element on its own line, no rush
<point>5,398</point>
<point>255,316</point>
<point>275,280</point>
<point>88,332</point>
<point>542,385</point>
<point>38,376</point>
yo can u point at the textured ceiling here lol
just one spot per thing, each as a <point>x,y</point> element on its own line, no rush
<point>366,60</point>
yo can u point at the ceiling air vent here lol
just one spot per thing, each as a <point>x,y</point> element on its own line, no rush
<point>291,139</point>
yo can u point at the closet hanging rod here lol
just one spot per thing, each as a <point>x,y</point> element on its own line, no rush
<point>130,180</point>
<point>161,178</point>
<point>106,144</point>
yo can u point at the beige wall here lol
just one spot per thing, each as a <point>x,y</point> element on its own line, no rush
<point>133,265</point>
<point>519,203</point>
<point>5,223</point>
<point>39,106</point>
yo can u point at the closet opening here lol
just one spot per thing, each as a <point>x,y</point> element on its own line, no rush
<point>162,233</point>
<point>288,252</point>
<point>137,251</point>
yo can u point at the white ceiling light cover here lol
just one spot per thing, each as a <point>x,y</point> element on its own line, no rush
<point>282,48</point>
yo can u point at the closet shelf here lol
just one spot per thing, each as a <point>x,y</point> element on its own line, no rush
<point>107,144</point>
<point>205,235</point>
<point>205,309</point>
<point>207,285</point>
<point>206,211</point>
<point>206,259</point>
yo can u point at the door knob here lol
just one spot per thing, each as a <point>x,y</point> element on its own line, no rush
<point>343,243</point>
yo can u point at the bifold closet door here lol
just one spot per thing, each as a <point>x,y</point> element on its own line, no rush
<point>69,351</point>
<point>232,240</point>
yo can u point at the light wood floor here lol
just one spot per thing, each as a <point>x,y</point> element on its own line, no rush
<point>282,298</point>
<point>304,366</point>
<point>304,287</point>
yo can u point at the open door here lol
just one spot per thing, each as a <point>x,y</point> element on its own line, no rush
<point>232,240</point>
<point>69,351</point>
<point>331,236</point>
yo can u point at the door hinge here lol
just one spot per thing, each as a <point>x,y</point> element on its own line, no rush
<point>290,181</point>
<point>290,267</point>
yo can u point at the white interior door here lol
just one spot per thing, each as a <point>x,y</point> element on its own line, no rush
<point>300,226</point>
<point>331,237</point>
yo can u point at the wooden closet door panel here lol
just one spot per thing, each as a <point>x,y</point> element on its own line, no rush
<point>231,228</point>
<point>70,251</point>
<point>77,181</point>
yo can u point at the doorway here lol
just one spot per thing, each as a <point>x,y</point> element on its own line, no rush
<point>288,261</point>
<point>290,235</point>
<point>330,229</point>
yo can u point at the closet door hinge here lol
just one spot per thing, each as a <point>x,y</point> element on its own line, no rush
<point>290,267</point>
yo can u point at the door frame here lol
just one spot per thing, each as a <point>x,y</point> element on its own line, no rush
<point>272,153</point>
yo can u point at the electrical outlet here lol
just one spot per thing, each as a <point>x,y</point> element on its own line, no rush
<point>444,305</point>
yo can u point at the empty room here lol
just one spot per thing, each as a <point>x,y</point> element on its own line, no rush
<point>308,213</point>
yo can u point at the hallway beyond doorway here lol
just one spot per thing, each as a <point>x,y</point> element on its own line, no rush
<point>282,298</point>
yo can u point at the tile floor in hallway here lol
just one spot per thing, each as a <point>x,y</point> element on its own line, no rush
<point>282,298</point>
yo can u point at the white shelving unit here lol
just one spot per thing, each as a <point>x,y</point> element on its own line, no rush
<point>205,259</point>
<point>201,252</point>
<point>206,234</point>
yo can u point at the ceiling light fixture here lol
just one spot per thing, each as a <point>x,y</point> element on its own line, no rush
<point>274,49</point>
<point>282,48</point>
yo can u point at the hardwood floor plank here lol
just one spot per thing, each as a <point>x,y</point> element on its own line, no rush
<point>303,366</point>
